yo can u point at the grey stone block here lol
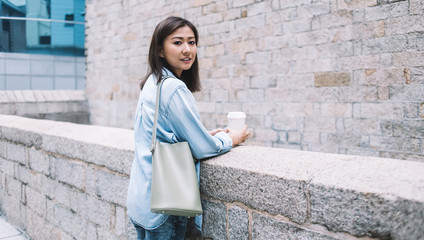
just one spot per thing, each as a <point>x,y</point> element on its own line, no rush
<point>120,221</point>
<point>411,110</point>
<point>344,139</point>
<point>91,231</point>
<point>104,233</point>
<point>399,144</point>
<point>387,10</point>
<point>24,130</point>
<point>50,210</point>
<point>238,223</point>
<point>7,108</point>
<point>14,188</point>
<point>348,197</point>
<point>266,179</point>
<point>112,188</point>
<point>90,187</point>
<point>38,94</point>
<point>95,210</point>
<point>380,216</point>
<point>39,228</point>
<point>320,124</point>
<point>408,93</point>
<point>410,128</point>
<point>16,153</point>
<point>73,117</point>
<point>266,227</point>
<point>410,157</point>
<point>98,147</point>
<point>2,147</point>
<point>14,211</point>
<point>27,109</point>
<point>63,194</point>
<point>8,167</point>
<point>383,45</point>
<point>278,196</point>
<point>214,220</point>
<point>46,108</point>
<point>38,161</point>
<point>28,96</point>
<point>71,172</point>
<point>52,167</point>
<point>2,182</point>
<point>19,96</point>
<point>29,177</point>
<point>70,222</point>
<point>36,201</point>
<point>10,95</point>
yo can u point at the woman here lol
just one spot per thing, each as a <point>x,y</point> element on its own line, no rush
<point>173,59</point>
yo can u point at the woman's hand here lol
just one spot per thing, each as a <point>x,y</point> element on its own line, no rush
<point>215,131</point>
<point>239,136</point>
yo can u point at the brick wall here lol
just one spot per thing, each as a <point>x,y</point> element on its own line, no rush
<point>69,181</point>
<point>330,75</point>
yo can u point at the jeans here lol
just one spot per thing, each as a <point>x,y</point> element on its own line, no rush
<point>173,228</point>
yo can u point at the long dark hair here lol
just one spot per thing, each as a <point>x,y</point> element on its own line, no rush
<point>165,28</point>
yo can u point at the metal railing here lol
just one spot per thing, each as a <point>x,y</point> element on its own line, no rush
<point>41,20</point>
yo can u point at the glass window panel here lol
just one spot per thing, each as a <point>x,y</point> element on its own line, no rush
<point>42,26</point>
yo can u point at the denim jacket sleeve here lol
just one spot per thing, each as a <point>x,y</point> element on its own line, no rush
<point>184,120</point>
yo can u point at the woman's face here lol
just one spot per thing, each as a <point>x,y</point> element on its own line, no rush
<point>180,49</point>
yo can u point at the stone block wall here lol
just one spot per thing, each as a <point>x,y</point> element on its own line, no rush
<point>68,181</point>
<point>62,180</point>
<point>334,76</point>
<point>58,105</point>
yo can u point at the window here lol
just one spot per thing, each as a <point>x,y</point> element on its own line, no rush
<point>42,26</point>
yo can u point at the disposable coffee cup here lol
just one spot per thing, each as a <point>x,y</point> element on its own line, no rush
<point>236,120</point>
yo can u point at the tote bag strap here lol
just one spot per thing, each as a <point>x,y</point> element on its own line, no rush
<point>155,122</point>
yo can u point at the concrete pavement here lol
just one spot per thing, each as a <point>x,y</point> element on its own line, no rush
<point>9,232</point>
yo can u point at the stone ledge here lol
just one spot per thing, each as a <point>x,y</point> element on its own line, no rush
<point>93,144</point>
<point>14,96</point>
<point>59,105</point>
<point>363,196</point>
<point>249,189</point>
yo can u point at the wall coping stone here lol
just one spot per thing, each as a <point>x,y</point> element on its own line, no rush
<point>354,195</point>
<point>394,177</point>
<point>94,144</point>
<point>59,105</point>
<point>14,96</point>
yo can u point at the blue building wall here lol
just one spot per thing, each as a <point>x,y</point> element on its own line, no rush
<point>40,54</point>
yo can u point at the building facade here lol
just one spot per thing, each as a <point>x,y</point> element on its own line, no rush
<point>333,76</point>
<point>42,44</point>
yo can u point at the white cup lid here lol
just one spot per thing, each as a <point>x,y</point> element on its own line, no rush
<point>236,115</point>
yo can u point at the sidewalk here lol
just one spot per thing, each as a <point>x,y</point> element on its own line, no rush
<point>9,232</point>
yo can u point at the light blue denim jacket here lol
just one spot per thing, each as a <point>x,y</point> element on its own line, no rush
<point>178,121</point>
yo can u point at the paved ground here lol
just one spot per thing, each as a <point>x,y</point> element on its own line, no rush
<point>9,232</point>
